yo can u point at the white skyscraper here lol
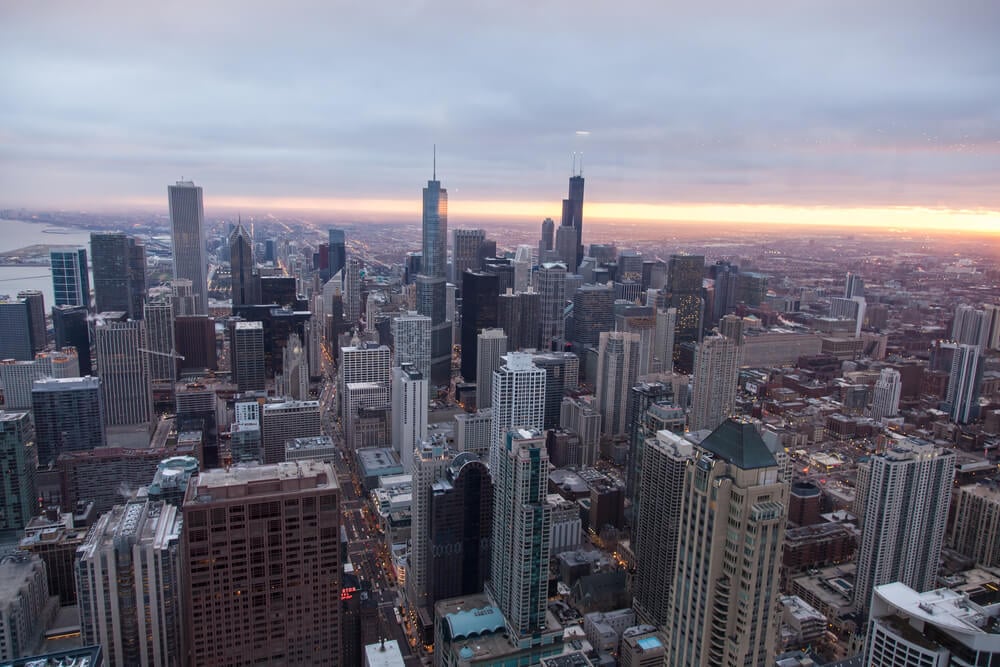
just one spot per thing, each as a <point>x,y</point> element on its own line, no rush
<point>365,362</point>
<point>123,367</point>
<point>713,390</point>
<point>849,309</point>
<point>971,326</point>
<point>518,399</point>
<point>963,383</point>
<point>409,412</point>
<point>903,495</point>
<point>617,370</point>
<point>411,336</point>
<point>491,346</point>
<point>885,402</point>
<point>187,225</point>
<point>522,268</point>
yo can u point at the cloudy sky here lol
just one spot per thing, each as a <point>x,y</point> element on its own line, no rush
<point>829,106</point>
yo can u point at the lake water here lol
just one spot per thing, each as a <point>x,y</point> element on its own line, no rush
<point>16,234</point>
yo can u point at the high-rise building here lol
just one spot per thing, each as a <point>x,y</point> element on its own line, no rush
<point>724,589</point>
<point>940,628</point>
<point>964,381</point>
<point>562,372</point>
<point>365,362</point>
<point>551,281</point>
<point>971,326</point>
<point>518,399</point>
<point>975,525</point>
<point>73,330</point>
<point>888,387</point>
<point>665,459</point>
<point>187,229</point>
<point>473,432</point>
<point>36,306</point>
<point>69,416</point>
<point>593,313</point>
<point>409,412</point>
<point>547,242</point>
<point>367,408</point>
<point>580,417</point>
<point>714,382</point>
<point>903,495</point>
<point>491,346</point>
<point>16,333</point>
<point>293,381</point>
<point>18,377</point>
<point>641,321</point>
<point>119,266</point>
<point>480,292</point>
<point>337,252</point>
<point>855,286</point>
<point>128,585</point>
<point>522,268</point>
<point>431,290</point>
<point>522,521</point>
<point>429,463</point>
<point>247,355</point>
<point>70,277</point>
<point>18,459</point>
<point>572,214</point>
<point>685,293</point>
<point>267,540</point>
<point>565,250</point>
<point>651,409</point>
<point>617,370</point>
<point>159,319</point>
<point>411,339</point>
<point>465,248</point>
<point>663,340</point>
<point>724,293</point>
<point>245,440</point>
<point>284,421</point>
<point>352,292</point>
<point>519,316</point>
<point>246,288</point>
<point>849,309</point>
<point>124,372</point>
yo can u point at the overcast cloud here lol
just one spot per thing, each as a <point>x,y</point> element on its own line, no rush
<point>821,102</point>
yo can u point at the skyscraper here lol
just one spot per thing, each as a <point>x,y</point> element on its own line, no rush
<point>855,286</point>
<point>119,265</point>
<point>593,313</point>
<point>714,382</point>
<point>519,315</point>
<point>366,362</point>
<point>971,326</point>
<point>337,251</point>
<point>69,416</point>
<point>491,346</point>
<point>975,524</point>
<point>352,292</point>
<point>187,225</point>
<point>903,495</point>
<point>72,330</point>
<point>617,370</point>
<point>36,306</point>
<point>409,412</point>
<point>663,340</point>
<point>16,333</point>
<point>522,521</point>
<point>122,365</point>
<point>128,582</point>
<point>661,480</point>
<point>572,213</point>
<point>272,536</point>
<point>552,287</point>
<point>480,292</point>
<point>431,290</point>
<point>518,399</point>
<point>562,372</point>
<point>281,422</point>
<point>159,319</point>
<point>547,242</point>
<point>731,530</point>
<point>888,388</point>
<point>17,377</point>
<point>18,459</point>
<point>247,355</point>
<point>429,463</point>
<point>684,289</point>
<point>293,381</point>
<point>964,381</point>
<point>466,246</point>
<point>70,277</point>
<point>246,289</point>
<point>522,268</point>
<point>411,338</point>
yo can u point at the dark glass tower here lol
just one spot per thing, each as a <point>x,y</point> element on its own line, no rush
<point>479,311</point>
<point>684,285</point>
<point>119,273</point>
<point>432,281</point>
<point>72,329</point>
<point>572,214</point>
<point>246,286</point>
<point>337,252</point>
<point>70,277</point>
<point>187,225</point>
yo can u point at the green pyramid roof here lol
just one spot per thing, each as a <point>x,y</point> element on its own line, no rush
<point>739,443</point>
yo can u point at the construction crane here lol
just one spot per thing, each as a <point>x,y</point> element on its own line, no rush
<point>172,353</point>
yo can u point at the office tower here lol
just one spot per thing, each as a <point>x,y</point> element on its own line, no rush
<point>352,292</point>
<point>971,326</point>
<point>724,274</point>
<point>245,438</point>
<point>661,480</point>
<point>69,416</point>
<point>17,377</point>
<point>547,242</point>
<point>187,228</point>
<point>337,252</point>
<point>411,338</point>
<point>992,315</point>
<point>580,417</point>
<point>964,382</point>
<point>182,297</point>
<point>519,315</point>
<point>128,582</point>
<point>975,525</point>
<point>25,607</point>
<point>123,370</point>
<point>473,432</point>
<point>465,252</point>
<point>731,326</point>
<point>654,274</point>
<point>731,527</point>
<point>159,319</point>
<point>855,286</point>
<point>562,371</point>
<point>518,399</point>
<point>684,288</point>
<point>119,266</point>
<point>409,412</point>
<point>713,383</point>
<point>849,309</point>
<point>194,337</point>
<point>367,421</point>
<point>942,628</point>
<point>18,459</point>
<point>70,277</point>
<point>572,214</point>
<point>36,306</point>
<point>283,421</point>
<point>565,250</point>
<point>593,314</point>
<point>630,265</point>
<point>651,409</point>
<point>247,355</point>
<point>480,292</point>
<point>903,495</point>
<point>72,330</point>
<point>16,333</point>
<point>751,287</point>
<point>276,290</point>
<point>293,381</point>
<point>663,340</point>
<point>551,280</point>
<point>282,585</point>
<point>617,370</point>
<point>431,290</point>
<point>522,268</point>
<point>888,388</point>
<point>196,407</point>
<point>244,269</point>
<point>365,362</point>
<point>522,520</point>
<point>429,463</point>
<point>491,346</point>
<point>641,320</point>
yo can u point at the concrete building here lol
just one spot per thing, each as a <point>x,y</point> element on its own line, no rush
<point>473,432</point>
<point>366,415</point>
<point>187,231</point>
<point>641,648</point>
<point>888,388</point>
<point>69,416</point>
<point>122,366</point>
<point>582,418</point>
<point>975,526</point>
<point>713,384</point>
<point>411,339</point>
<point>409,412</point>
<point>518,400</point>
<point>18,377</point>
<point>54,537</point>
<point>317,448</point>
<point>281,422</point>
<point>491,346</point>
<point>25,605</point>
<point>364,362</point>
<point>617,370</point>
<point>159,317</point>
<point>272,534</point>
<point>247,355</point>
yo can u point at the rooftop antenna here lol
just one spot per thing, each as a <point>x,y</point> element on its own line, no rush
<point>573,169</point>
<point>581,165</point>
<point>434,177</point>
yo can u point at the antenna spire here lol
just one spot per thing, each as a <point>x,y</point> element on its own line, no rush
<point>581,165</point>
<point>434,176</point>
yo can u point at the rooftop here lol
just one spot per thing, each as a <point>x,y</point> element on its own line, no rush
<point>739,443</point>
<point>289,476</point>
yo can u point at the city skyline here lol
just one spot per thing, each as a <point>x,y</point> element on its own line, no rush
<point>691,114</point>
